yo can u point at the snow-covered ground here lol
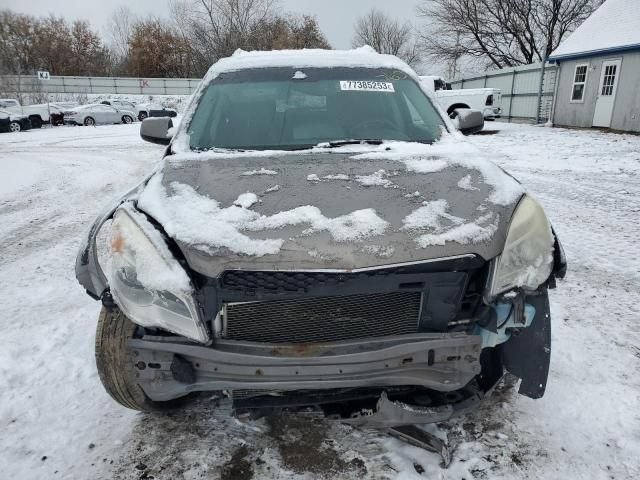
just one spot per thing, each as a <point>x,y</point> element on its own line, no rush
<point>57,422</point>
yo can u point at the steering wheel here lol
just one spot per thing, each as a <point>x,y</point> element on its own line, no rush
<point>378,124</point>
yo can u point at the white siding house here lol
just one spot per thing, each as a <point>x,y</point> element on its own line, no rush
<point>599,70</point>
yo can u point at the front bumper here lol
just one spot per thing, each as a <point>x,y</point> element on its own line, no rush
<point>491,113</point>
<point>439,361</point>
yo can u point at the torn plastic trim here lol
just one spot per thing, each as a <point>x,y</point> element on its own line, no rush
<point>390,413</point>
<point>89,273</point>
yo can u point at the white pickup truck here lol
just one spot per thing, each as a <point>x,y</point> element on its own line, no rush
<point>38,114</point>
<point>487,100</point>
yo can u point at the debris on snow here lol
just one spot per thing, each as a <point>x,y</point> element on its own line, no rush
<point>375,179</point>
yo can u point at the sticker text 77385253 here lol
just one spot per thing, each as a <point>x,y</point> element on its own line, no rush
<point>366,86</point>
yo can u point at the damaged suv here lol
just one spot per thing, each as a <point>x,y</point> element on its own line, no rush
<point>318,234</point>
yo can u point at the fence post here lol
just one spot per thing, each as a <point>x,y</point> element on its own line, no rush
<point>90,85</point>
<point>511,93</point>
<point>485,81</point>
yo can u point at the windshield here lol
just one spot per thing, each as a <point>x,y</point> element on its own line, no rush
<point>284,108</point>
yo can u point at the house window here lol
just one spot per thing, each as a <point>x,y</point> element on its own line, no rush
<point>609,80</point>
<point>579,82</point>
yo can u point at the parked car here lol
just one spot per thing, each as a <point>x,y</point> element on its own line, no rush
<point>154,110</point>
<point>5,121</point>
<point>319,235</point>
<point>16,122</point>
<point>487,100</point>
<point>96,114</point>
<point>122,105</point>
<point>38,114</point>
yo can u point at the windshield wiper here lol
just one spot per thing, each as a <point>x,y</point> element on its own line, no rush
<point>357,141</point>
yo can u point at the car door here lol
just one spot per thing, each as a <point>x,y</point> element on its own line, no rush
<point>105,114</point>
<point>113,115</point>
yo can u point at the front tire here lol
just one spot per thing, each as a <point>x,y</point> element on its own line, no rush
<point>116,365</point>
<point>89,122</point>
<point>14,127</point>
<point>127,119</point>
<point>142,116</point>
<point>36,122</point>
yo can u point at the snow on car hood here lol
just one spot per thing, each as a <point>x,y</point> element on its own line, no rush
<point>344,208</point>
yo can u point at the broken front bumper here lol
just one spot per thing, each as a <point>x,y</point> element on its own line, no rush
<point>439,361</point>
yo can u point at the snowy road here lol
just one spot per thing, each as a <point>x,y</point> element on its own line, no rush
<point>57,422</point>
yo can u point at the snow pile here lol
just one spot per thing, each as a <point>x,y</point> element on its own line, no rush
<point>337,176</point>
<point>275,188</point>
<point>246,200</point>
<point>313,178</point>
<point>449,151</point>
<point>299,75</point>
<point>379,251</point>
<point>375,179</point>
<point>430,217</point>
<point>465,183</point>
<point>353,226</point>
<point>200,221</point>
<point>466,233</point>
<point>262,171</point>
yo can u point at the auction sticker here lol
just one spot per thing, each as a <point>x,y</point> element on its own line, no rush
<point>366,86</point>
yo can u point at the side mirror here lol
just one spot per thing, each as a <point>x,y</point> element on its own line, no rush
<point>468,121</point>
<point>156,130</point>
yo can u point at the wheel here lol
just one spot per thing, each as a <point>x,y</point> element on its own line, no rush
<point>115,364</point>
<point>451,111</point>
<point>127,119</point>
<point>15,127</point>
<point>89,121</point>
<point>36,122</point>
<point>142,116</point>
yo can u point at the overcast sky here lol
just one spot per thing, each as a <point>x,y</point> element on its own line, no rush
<point>336,17</point>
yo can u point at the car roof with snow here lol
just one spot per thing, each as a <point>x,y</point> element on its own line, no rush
<point>362,57</point>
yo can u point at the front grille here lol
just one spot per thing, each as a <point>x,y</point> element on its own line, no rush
<point>291,281</point>
<point>324,319</point>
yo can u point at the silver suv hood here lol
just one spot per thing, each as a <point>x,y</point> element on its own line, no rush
<point>318,210</point>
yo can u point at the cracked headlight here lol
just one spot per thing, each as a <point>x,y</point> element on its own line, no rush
<point>147,282</point>
<point>527,258</point>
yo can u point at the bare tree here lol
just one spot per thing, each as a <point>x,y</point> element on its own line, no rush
<point>500,33</point>
<point>387,35</point>
<point>216,28</point>
<point>119,30</point>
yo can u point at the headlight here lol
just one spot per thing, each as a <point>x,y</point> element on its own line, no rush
<point>147,282</point>
<point>527,258</point>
